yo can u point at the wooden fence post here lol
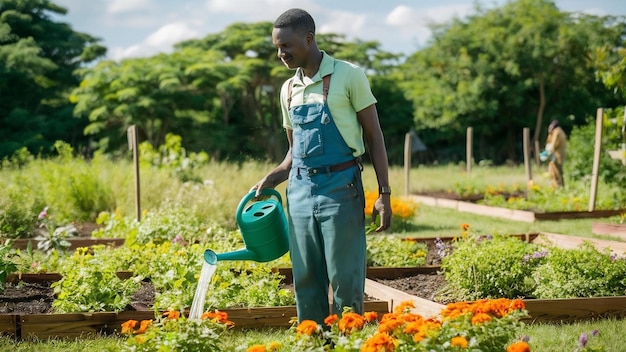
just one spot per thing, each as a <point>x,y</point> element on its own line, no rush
<point>131,133</point>
<point>407,162</point>
<point>526,144</point>
<point>468,148</point>
<point>596,159</point>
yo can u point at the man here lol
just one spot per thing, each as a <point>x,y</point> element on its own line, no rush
<point>327,108</point>
<point>556,145</point>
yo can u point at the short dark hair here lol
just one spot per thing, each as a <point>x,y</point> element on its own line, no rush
<point>296,19</point>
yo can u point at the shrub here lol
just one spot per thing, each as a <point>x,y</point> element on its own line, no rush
<point>491,266</point>
<point>580,272</point>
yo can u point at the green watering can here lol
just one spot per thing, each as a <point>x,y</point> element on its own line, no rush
<point>264,229</point>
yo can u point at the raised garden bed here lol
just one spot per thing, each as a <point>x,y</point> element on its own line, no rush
<point>22,323</point>
<point>607,228</point>
<point>512,214</point>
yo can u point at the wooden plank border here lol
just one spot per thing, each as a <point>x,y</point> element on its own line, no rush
<point>512,214</point>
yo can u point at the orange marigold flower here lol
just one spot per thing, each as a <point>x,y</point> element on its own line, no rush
<point>465,227</point>
<point>480,318</point>
<point>256,348</point>
<point>350,322</point>
<point>129,327</point>
<point>331,319</point>
<point>403,307</point>
<point>517,304</point>
<point>143,326</point>
<point>389,325</point>
<point>413,327</point>
<point>307,327</point>
<point>172,314</point>
<point>370,316</point>
<point>459,341</point>
<point>379,342</point>
<point>519,346</point>
<point>216,316</point>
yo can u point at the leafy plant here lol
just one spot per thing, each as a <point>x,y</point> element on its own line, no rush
<point>172,156</point>
<point>580,272</point>
<point>174,332</point>
<point>394,251</point>
<point>89,286</point>
<point>491,266</point>
<point>7,266</point>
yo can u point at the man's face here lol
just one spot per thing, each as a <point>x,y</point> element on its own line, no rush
<point>292,46</point>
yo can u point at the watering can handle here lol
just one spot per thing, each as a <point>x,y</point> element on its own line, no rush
<point>249,196</point>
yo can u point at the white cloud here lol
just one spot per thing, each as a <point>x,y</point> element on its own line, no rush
<point>121,6</point>
<point>256,8</point>
<point>347,23</point>
<point>161,41</point>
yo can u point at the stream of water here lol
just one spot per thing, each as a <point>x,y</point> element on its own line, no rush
<point>199,298</point>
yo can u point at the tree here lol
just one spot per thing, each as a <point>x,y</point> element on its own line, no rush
<point>37,61</point>
<point>504,69</point>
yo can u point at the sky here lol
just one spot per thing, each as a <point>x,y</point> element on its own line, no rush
<point>141,28</point>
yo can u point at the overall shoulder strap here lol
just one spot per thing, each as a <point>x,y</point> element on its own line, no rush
<point>325,86</point>
<point>289,89</point>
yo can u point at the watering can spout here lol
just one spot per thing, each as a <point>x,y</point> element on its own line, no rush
<point>242,254</point>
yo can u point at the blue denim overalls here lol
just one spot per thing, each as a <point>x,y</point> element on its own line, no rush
<point>326,215</point>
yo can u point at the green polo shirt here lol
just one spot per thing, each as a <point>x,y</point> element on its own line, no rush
<point>349,92</point>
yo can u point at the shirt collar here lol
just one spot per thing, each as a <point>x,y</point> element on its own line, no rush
<point>327,66</point>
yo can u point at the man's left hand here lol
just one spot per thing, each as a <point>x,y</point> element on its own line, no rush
<point>382,207</point>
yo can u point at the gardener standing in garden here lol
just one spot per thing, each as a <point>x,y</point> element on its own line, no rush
<point>556,145</point>
<point>327,109</point>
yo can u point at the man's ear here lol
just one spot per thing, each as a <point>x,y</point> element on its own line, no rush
<point>310,38</point>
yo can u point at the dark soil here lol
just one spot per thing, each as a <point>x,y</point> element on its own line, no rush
<point>427,286</point>
<point>36,298</point>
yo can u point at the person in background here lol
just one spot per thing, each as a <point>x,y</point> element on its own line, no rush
<point>556,146</point>
<point>327,109</point>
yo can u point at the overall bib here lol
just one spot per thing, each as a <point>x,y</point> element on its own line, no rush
<point>325,204</point>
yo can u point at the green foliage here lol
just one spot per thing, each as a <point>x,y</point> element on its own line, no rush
<point>89,286</point>
<point>492,70</point>
<point>572,197</point>
<point>7,265</point>
<point>38,57</point>
<point>171,155</point>
<point>17,208</point>
<point>580,153</point>
<point>580,272</point>
<point>393,251</point>
<point>491,267</point>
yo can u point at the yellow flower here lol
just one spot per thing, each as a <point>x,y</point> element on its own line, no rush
<point>274,346</point>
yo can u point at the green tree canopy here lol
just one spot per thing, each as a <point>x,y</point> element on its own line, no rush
<point>503,69</point>
<point>38,57</point>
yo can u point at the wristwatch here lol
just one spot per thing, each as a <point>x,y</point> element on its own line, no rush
<point>384,190</point>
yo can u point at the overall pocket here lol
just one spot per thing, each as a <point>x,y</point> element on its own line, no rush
<point>307,130</point>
